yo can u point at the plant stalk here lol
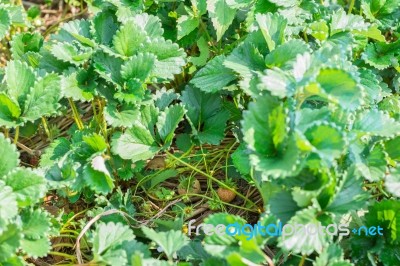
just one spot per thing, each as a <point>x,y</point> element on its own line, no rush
<point>75,114</point>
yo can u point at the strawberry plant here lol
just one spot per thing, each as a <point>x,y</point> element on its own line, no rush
<point>25,227</point>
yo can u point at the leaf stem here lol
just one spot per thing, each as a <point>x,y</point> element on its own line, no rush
<point>75,114</point>
<point>16,135</point>
<point>303,260</point>
<point>55,253</point>
<point>46,128</point>
<point>351,6</point>
<point>6,132</point>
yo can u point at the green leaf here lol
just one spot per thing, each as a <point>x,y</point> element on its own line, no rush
<point>265,131</point>
<point>108,236</point>
<point>390,255</point>
<point>76,30</point>
<point>35,224</point>
<point>206,114</point>
<point>123,116</point>
<point>19,88</point>
<point>168,121</point>
<point>370,163</point>
<point>373,85</point>
<point>18,15</point>
<point>170,241</point>
<point>36,247</point>
<point>72,53</point>
<point>319,30</point>
<point>213,129</point>
<point>10,111</point>
<point>24,43</point>
<point>108,66</point>
<point>139,67</point>
<point>272,27</point>
<point>163,98</point>
<point>277,82</point>
<point>214,76</point>
<point>221,15</point>
<point>105,25</point>
<point>78,85</point>
<point>5,22</point>
<point>392,182</point>
<point>332,256</point>
<point>376,123</point>
<point>285,55</point>
<point>301,242</point>
<point>162,176</point>
<point>149,24</point>
<point>128,39</point>
<point>201,60</point>
<point>43,98</point>
<point>10,158</point>
<point>131,247</point>
<point>9,241</point>
<point>97,176</point>
<point>135,144</point>
<point>372,32</point>
<point>283,206</point>
<point>240,159</point>
<point>49,62</point>
<point>349,194</point>
<point>341,21</point>
<point>28,186</point>
<point>186,24</point>
<point>221,245</point>
<point>386,213</point>
<point>341,88</point>
<point>381,55</point>
<point>327,141</point>
<point>170,58</point>
<point>247,61</point>
<point>8,204</point>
